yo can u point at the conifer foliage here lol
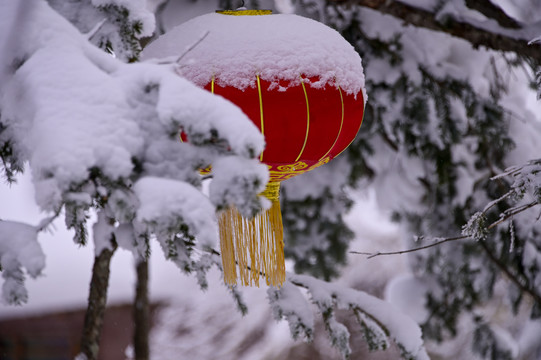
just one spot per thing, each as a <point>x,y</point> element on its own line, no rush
<point>447,144</point>
<point>444,145</point>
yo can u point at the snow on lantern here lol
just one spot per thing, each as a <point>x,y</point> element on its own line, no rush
<point>302,85</point>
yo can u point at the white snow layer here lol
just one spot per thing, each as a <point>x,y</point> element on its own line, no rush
<point>161,200</point>
<point>71,115</point>
<point>233,49</point>
<point>19,247</point>
<point>233,179</point>
<point>69,108</point>
<point>19,241</point>
<point>400,326</point>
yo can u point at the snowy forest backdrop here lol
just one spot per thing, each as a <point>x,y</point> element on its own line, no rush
<point>448,149</point>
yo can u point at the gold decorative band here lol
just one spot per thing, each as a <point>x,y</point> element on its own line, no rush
<point>284,172</point>
<point>244,12</point>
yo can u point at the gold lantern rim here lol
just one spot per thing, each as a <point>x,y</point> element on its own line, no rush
<point>244,12</point>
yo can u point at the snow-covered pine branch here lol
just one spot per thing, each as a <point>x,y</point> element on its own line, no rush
<point>525,190</point>
<point>101,134</point>
<point>19,249</point>
<point>443,118</point>
<point>459,19</point>
<point>380,322</point>
<point>115,26</point>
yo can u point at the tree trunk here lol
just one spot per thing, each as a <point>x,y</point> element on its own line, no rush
<point>141,313</point>
<point>97,301</point>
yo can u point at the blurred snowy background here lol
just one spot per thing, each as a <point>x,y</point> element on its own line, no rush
<point>206,325</point>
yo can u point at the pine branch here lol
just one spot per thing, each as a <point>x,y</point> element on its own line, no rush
<point>509,274</point>
<point>507,40</point>
<point>45,223</point>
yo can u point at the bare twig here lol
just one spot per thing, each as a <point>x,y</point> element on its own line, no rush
<point>186,52</point>
<point>45,223</point>
<point>507,216</point>
<point>89,35</point>
<point>191,47</point>
<point>512,213</point>
<point>436,243</point>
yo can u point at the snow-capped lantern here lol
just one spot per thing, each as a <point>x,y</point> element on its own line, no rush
<point>302,85</point>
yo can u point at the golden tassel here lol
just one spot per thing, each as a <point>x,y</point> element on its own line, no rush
<point>255,245</point>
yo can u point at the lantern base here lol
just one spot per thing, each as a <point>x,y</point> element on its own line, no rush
<point>256,245</point>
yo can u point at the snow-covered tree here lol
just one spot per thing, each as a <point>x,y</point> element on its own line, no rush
<point>99,133</point>
<point>451,148</point>
<point>449,145</point>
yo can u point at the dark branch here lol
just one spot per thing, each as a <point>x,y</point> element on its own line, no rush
<point>529,290</point>
<point>97,301</point>
<point>493,11</point>
<point>141,312</point>
<point>511,41</point>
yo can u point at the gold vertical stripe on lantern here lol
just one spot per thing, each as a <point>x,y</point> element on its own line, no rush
<point>255,246</point>
<point>262,123</point>
<point>341,123</point>
<point>307,120</point>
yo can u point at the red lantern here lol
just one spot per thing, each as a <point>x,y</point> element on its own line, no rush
<point>299,82</point>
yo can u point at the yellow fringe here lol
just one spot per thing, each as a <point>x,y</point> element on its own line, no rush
<point>255,245</point>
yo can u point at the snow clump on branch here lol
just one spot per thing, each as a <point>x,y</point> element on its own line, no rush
<point>90,127</point>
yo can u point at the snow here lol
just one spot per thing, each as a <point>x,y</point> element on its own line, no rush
<point>97,124</point>
<point>529,340</point>
<point>408,293</point>
<point>66,138</point>
<point>206,325</point>
<point>284,6</point>
<point>18,248</point>
<point>234,179</point>
<point>288,302</point>
<point>401,327</point>
<point>270,52</point>
<point>429,5</point>
<point>20,242</point>
<point>198,118</point>
<point>82,120</point>
<point>457,10</point>
<point>162,202</point>
<point>311,184</point>
<point>121,95</point>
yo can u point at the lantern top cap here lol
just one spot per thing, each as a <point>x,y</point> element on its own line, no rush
<point>279,48</point>
<point>244,12</point>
